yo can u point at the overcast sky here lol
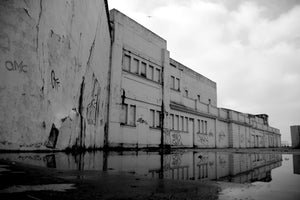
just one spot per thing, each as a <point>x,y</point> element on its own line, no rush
<point>250,48</point>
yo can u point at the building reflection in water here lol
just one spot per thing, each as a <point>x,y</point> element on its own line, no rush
<point>296,164</point>
<point>182,165</point>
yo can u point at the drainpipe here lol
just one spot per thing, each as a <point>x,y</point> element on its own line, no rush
<point>162,115</point>
<point>111,28</point>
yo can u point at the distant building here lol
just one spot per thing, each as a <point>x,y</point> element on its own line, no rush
<point>295,135</point>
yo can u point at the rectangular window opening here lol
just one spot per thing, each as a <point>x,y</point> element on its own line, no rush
<point>152,118</point>
<point>132,114</point>
<point>123,115</point>
<point>135,66</point>
<point>172,82</point>
<point>143,69</point>
<point>151,72</point>
<point>126,62</point>
<point>177,84</point>
<point>157,75</point>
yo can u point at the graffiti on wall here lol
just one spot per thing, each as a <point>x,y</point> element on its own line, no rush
<point>176,139</point>
<point>54,80</point>
<point>222,136</point>
<point>15,66</point>
<point>203,159</point>
<point>142,121</point>
<point>211,134</point>
<point>172,160</point>
<point>241,138</point>
<point>202,138</point>
<point>4,42</point>
<point>222,162</point>
<point>92,109</point>
<point>176,159</point>
<point>167,136</point>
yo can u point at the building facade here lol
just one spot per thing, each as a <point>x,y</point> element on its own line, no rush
<point>156,100</point>
<point>74,75</point>
<point>295,135</point>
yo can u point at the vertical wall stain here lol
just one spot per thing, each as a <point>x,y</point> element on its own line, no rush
<point>80,110</point>
<point>38,25</point>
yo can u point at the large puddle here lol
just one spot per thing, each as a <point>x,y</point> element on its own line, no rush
<point>240,175</point>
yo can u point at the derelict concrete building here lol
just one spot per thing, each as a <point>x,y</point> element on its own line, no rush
<point>155,100</point>
<point>74,75</point>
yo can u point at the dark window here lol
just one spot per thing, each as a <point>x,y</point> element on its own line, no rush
<point>143,69</point>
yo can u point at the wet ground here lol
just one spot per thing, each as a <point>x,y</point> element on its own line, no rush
<point>182,174</point>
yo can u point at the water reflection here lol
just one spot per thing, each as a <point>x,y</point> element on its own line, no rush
<point>296,164</point>
<point>180,165</point>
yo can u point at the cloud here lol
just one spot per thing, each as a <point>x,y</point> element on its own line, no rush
<point>250,48</point>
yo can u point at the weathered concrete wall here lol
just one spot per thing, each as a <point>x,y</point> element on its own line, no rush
<point>54,63</point>
<point>133,88</point>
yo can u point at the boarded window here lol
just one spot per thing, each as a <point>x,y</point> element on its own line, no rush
<point>177,86</point>
<point>157,75</point>
<point>172,82</point>
<point>143,69</point>
<point>123,116</point>
<point>172,121</point>
<point>126,62</point>
<point>152,118</point>
<point>182,123</point>
<point>135,66</point>
<point>176,122</point>
<point>132,115</point>
<point>202,126</point>
<point>151,71</point>
<point>158,119</point>
<point>186,124</point>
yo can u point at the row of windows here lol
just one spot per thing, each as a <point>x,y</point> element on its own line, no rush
<point>175,85</point>
<point>141,67</point>
<point>155,119</point>
<point>202,171</point>
<point>202,126</point>
<point>179,123</point>
<point>128,114</point>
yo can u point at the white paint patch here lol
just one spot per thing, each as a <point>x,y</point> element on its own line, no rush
<point>24,188</point>
<point>2,169</point>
